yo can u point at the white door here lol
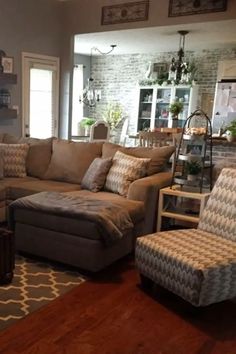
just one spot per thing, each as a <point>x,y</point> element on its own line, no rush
<point>40,95</point>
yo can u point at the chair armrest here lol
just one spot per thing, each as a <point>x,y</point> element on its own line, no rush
<point>147,190</point>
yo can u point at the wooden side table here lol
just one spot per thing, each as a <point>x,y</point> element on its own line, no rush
<point>7,256</point>
<point>167,206</point>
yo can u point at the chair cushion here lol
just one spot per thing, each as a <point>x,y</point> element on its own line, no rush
<point>194,264</point>
<point>70,160</point>
<point>159,156</point>
<point>219,215</point>
<point>95,177</point>
<point>14,159</point>
<point>125,169</point>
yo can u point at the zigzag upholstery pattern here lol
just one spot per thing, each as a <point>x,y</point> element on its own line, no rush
<point>124,170</point>
<point>219,215</point>
<point>198,265</point>
<point>14,159</point>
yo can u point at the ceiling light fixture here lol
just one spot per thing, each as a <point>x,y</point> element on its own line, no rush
<point>90,96</point>
<point>178,68</point>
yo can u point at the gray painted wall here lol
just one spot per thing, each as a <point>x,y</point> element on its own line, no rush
<point>27,26</point>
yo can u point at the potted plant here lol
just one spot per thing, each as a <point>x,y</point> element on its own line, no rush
<point>86,123</point>
<point>175,109</point>
<point>193,168</point>
<point>113,115</point>
<point>231,131</point>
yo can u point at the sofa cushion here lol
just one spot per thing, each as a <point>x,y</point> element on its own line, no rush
<point>14,159</point>
<point>39,154</point>
<point>95,177</point>
<point>125,169</point>
<point>70,160</point>
<point>159,155</point>
<point>24,189</point>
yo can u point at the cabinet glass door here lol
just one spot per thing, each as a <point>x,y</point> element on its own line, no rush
<point>162,107</point>
<point>182,94</point>
<point>145,109</point>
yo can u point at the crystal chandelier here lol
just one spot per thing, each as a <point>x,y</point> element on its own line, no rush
<point>90,96</point>
<point>178,68</point>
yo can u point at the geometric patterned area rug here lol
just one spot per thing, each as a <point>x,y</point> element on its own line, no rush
<point>34,284</point>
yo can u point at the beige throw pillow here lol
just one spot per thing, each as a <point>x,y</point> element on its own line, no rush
<point>125,169</point>
<point>95,177</point>
<point>14,159</point>
<point>159,156</point>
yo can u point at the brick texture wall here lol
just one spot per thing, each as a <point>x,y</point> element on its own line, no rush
<point>117,76</point>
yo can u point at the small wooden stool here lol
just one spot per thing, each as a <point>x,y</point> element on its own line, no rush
<point>7,256</point>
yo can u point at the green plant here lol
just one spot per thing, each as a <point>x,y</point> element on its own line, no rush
<point>113,115</point>
<point>87,122</point>
<point>176,108</point>
<point>193,167</point>
<point>232,128</point>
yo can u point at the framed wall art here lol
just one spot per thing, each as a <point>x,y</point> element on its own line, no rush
<point>194,7</point>
<point>7,65</point>
<point>126,12</point>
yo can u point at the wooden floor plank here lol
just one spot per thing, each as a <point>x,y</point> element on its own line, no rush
<point>111,314</point>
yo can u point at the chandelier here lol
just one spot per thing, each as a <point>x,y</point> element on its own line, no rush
<point>178,68</point>
<point>90,95</point>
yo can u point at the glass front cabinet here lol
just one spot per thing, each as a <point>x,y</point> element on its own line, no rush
<point>154,102</point>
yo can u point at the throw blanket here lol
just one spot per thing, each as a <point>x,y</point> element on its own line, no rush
<point>112,220</point>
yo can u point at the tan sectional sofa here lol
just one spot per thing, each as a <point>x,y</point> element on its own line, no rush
<point>59,165</point>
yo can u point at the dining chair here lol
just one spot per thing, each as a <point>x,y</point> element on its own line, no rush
<point>100,131</point>
<point>153,139</point>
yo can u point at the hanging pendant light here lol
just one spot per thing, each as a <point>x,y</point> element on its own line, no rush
<point>178,68</point>
<point>90,96</point>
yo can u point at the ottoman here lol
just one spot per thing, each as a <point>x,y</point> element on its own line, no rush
<point>7,256</point>
<point>194,264</point>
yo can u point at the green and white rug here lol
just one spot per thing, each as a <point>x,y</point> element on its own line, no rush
<point>35,283</point>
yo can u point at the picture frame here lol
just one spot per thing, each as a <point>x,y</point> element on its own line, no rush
<point>186,7</point>
<point>126,12</point>
<point>195,148</point>
<point>7,64</point>
<point>160,68</point>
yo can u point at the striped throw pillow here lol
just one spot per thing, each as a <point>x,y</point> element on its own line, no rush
<point>125,169</point>
<point>14,159</point>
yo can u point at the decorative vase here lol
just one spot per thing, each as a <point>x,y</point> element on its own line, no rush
<point>174,122</point>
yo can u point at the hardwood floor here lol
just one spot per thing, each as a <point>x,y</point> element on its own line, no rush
<point>111,314</point>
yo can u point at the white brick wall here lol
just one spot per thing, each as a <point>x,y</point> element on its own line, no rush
<point>118,77</point>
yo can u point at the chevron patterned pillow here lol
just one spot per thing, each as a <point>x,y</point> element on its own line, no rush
<point>124,170</point>
<point>14,159</point>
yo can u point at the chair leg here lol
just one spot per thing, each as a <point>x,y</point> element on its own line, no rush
<point>146,282</point>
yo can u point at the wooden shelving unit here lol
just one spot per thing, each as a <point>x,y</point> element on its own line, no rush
<point>7,79</point>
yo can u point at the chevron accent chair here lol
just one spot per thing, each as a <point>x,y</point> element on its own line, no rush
<point>199,264</point>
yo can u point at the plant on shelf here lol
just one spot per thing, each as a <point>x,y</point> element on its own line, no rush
<point>113,115</point>
<point>231,131</point>
<point>87,123</point>
<point>176,108</point>
<point>193,168</point>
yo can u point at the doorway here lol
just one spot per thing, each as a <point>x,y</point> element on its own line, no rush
<point>40,87</point>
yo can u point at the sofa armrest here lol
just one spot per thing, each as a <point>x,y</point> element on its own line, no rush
<point>147,190</point>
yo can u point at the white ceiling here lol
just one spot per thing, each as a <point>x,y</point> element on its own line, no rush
<point>207,35</point>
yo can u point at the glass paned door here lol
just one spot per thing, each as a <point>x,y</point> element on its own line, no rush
<point>145,109</point>
<point>162,107</point>
<point>40,95</point>
<point>183,95</point>
<point>41,123</point>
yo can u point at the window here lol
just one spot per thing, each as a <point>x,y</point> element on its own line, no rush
<point>40,95</point>
<point>77,107</point>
